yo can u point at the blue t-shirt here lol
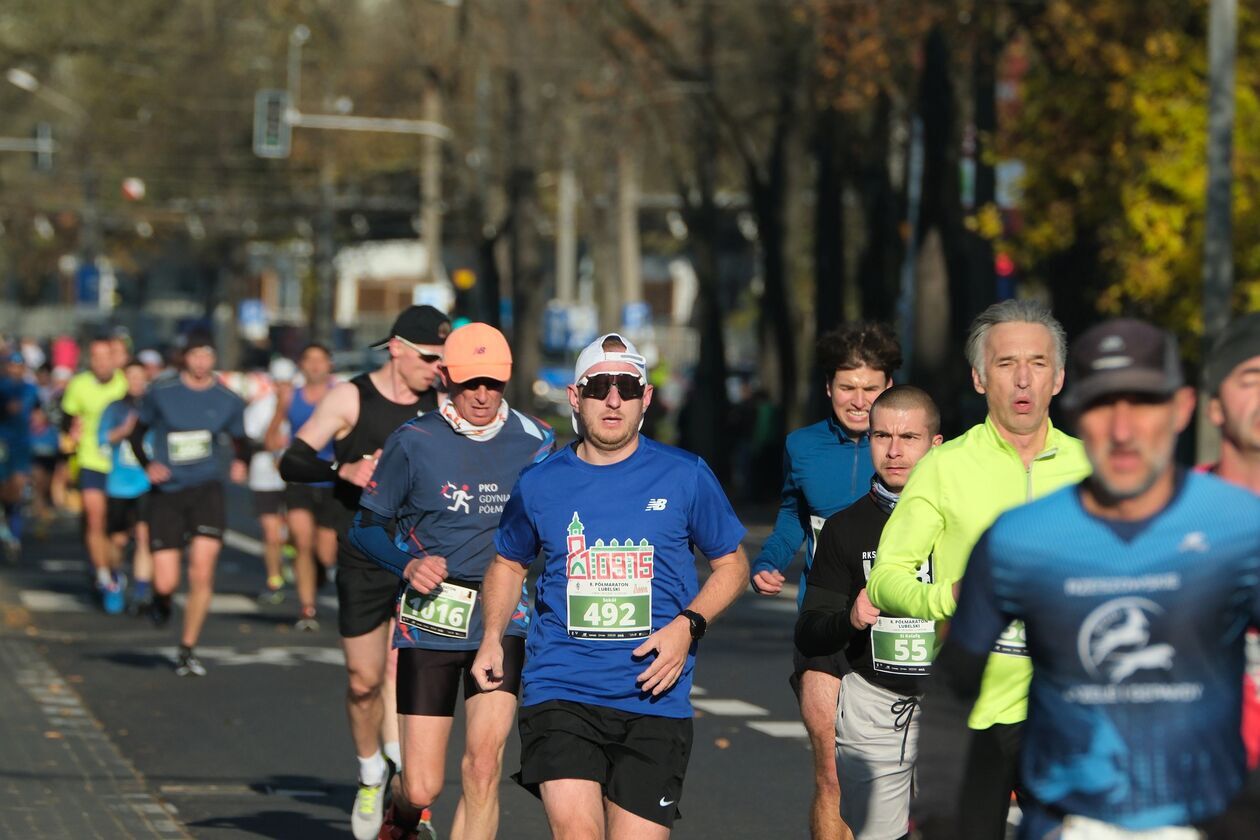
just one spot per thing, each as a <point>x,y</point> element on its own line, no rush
<point>300,410</point>
<point>126,479</point>
<point>446,493</point>
<point>188,425</point>
<point>1136,639</point>
<point>617,544</point>
<point>17,398</point>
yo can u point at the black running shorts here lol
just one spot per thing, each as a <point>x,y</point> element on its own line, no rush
<point>121,515</point>
<point>367,595</point>
<point>268,502</point>
<point>325,507</point>
<point>176,516</point>
<point>428,680</point>
<point>639,760</point>
<point>836,665</point>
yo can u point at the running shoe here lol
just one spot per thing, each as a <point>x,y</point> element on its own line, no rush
<point>160,611</point>
<point>368,816</point>
<point>113,599</point>
<point>187,664</point>
<point>307,623</point>
<point>424,828</point>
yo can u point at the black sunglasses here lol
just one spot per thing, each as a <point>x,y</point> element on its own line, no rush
<point>596,386</point>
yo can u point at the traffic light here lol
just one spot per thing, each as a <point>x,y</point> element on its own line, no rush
<point>272,132</point>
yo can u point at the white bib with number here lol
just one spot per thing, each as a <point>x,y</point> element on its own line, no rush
<point>609,590</point>
<point>126,455</point>
<point>187,447</point>
<point>446,611</point>
<point>1013,641</point>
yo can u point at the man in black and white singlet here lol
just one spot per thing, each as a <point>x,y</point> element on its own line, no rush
<point>357,417</point>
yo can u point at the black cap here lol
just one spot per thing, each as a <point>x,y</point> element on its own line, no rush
<point>1122,356</point>
<point>419,325</point>
<point>198,339</point>
<point>1238,343</point>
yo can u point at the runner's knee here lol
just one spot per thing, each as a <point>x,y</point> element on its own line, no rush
<point>364,688</point>
<point>480,769</point>
<point>421,791</point>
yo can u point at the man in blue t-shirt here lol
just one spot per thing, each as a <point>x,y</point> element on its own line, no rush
<point>605,721</point>
<point>429,515</point>
<point>189,415</point>
<point>1136,587</point>
<point>126,493</point>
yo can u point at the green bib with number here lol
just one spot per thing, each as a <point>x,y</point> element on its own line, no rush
<point>903,646</point>
<point>446,611</point>
<point>1013,641</point>
<point>186,447</point>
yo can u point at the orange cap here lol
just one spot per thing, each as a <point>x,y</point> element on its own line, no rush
<point>476,350</point>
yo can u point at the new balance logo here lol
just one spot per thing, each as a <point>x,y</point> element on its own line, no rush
<point>656,504</point>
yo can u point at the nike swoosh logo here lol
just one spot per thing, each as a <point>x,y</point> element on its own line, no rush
<point>665,804</point>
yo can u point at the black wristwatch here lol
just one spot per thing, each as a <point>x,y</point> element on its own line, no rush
<point>699,624</point>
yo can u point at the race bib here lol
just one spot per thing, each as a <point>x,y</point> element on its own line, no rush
<point>446,611</point>
<point>186,447</point>
<point>816,524</point>
<point>126,455</point>
<point>1012,642</point>
<point>609,592</point>
<point>903,646</point>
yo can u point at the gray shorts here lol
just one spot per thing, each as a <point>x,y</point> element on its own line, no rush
<point>876,778</point>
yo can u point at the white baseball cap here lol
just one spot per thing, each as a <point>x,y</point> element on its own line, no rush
<point>594,353</point>
<point>282,369</point>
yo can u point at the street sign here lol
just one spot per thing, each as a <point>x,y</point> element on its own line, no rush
<point>273,134</point>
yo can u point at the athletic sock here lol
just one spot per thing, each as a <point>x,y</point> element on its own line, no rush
<point>394,753</point>
<point>372,769</point>
<point>104,577</point>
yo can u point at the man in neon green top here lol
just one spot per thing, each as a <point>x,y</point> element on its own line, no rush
<point>1017,352</point>
<point>87,396</point>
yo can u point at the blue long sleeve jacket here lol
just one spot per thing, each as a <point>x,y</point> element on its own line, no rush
<point>825,469</point>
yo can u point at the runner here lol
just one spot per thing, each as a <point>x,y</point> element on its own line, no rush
<point>86,397</point>
<point>44,457</point>
<point>265,484</point>
<point>826,468</point>
<point>876,729</point>
<point>1135,587</point>
<point>358,417</point>
<point>606,715</point>
<point>440,487</point>
<point>188,416</point>
<point>1232,381</point>
<point>127,502</point>
<point>1017,352</point>
<point>314,514</point>
<point>18,398</point>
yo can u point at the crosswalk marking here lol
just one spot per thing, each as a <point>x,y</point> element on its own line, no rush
<point>729,708</point>
<point>780,728</point>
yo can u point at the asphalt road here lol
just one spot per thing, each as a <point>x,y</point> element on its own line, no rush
<point>260,746</point>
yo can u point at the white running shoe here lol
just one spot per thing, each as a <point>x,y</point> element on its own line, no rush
<point>369,810</point>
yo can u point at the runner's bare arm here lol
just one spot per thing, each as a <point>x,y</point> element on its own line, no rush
<point>333,417</point>
<point>500,593</point>
<point>672,642</point>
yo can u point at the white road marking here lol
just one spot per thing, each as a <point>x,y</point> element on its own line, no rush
<point>242,542</point>
<point>37,600</point>
<point>227,604</point>
<point>62,566</point>
<point>776,605</point>
<point>729,708</point>
<point>780,728</point>
<point>697,691</point>
<point>285,657</point>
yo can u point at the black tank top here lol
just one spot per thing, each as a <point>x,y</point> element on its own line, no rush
<point>378,418</point>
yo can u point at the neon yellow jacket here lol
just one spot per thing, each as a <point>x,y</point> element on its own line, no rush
<point>954,494</point>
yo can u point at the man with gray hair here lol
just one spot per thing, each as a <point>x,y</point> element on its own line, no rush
<point>1017,352</point>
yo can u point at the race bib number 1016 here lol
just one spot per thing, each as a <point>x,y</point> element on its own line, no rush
<point>447,611</point>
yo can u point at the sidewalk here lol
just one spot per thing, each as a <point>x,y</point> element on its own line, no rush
<point>60,774</point>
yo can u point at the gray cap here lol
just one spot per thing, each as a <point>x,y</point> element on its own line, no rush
<point>1239,342</point>
<point>1122,356</point>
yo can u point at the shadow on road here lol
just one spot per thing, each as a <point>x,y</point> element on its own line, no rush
<point>279,824</point>
<point>136,659</point>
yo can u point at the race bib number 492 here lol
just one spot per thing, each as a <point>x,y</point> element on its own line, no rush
<point>609,591</point>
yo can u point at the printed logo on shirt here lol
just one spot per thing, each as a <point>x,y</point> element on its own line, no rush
<point>610,586</point>
<point>1195,541</point>
<point>458,495</point>
<point>1115,645</point>
<point>656,504</point>
<point>487,498</point>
